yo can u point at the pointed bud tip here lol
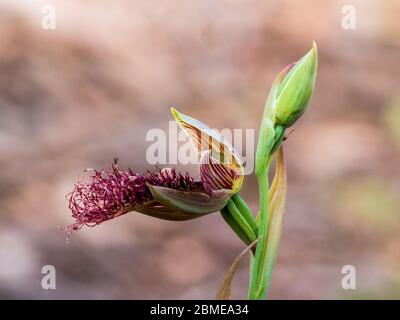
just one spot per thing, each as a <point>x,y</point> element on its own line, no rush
<point>312,53</point>
<point>314,46</point>
<point>314,50</point>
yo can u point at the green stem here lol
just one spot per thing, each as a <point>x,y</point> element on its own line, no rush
<point>241,220</point>
<point>246,212</point>
<point>259,282</point>
<point>234,225</point>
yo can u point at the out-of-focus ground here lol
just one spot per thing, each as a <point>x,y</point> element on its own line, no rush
<point>77,96</point>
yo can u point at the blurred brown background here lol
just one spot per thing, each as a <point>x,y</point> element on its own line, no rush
<point>75,97</point>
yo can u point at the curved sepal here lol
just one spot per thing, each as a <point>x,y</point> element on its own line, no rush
<point>205,138</point>
<point>194,204</point>
<point>158,210</point>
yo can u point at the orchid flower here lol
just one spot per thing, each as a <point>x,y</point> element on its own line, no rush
<point>165,193</point>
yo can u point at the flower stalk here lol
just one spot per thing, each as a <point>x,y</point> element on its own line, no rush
<point>258,283</point>
<point>287,101</point>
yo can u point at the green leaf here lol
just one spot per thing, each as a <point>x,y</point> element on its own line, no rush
<point>224,291</point>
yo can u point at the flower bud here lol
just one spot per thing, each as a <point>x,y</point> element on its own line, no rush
<point>295,89</point>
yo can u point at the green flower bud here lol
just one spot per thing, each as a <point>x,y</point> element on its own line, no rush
<point>295,89</point>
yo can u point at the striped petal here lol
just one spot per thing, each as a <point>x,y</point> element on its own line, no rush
<point>215,174</point>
